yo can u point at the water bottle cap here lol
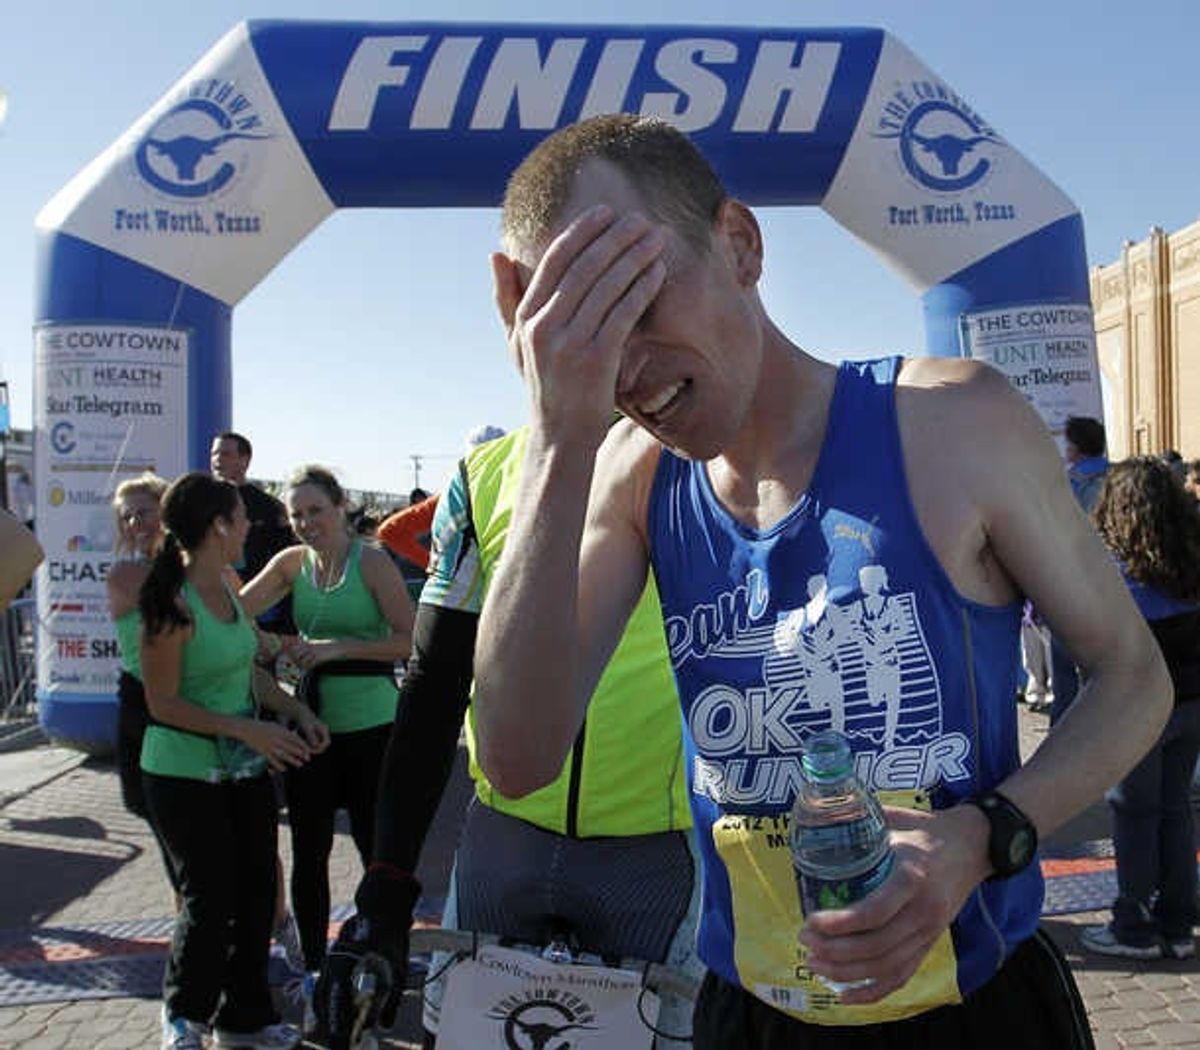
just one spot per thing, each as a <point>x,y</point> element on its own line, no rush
<point>827,756</point>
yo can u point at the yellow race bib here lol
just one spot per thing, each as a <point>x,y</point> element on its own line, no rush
<point>767,917</point>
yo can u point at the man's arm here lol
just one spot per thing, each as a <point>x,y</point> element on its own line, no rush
<point>977,441</point>
<point>22,554</point>
<point>547,629</point>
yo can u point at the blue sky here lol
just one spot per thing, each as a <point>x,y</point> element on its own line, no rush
<point>376,339</point>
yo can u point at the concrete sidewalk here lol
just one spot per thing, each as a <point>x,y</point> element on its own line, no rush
<point>83,879</point>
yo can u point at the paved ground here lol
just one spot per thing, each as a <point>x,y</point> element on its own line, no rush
<point>72,858</point>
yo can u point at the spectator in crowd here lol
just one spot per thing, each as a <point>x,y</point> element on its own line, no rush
<point>1174,460</point>
<point>1086,465</point>
<point>1191,479</point>
<point>204,762</point>
<point>1152,527</point>
<point>1035,660</point>
<point>20,497</point>
<point>22,555</point>
<point>229,459</point>
<point>355,624</point>
<point>137,514</point>
<point>407,533</point>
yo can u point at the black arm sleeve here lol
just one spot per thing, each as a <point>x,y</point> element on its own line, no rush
<point>420,753</point>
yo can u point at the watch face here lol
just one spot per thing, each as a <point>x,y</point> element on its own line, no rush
<point>1020,848</point>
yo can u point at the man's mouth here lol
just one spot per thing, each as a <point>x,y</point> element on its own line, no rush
<point>660,403</point>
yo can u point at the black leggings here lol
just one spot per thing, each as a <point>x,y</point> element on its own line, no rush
<point>221,839</point>
<point>345,775</point>
<point>1032,1003</point>
<point>132,718</point>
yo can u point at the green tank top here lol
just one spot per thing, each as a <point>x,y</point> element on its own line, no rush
<point>216,669</point>
<point>345,610</point>
<point>625,774</point>
<point>129,640</point>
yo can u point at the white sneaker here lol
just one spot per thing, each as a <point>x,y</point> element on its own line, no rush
<point>287,936</point>
<point>1102,941</point>
<point>1183,948</point>
<point>270,1037</point>
<point>178,1033</point>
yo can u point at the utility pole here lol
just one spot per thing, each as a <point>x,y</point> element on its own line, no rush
<point>5,420</point>
<point>416,461</point>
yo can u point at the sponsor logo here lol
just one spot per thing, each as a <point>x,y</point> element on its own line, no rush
<point>104,339</point>
<point>942,144</point>
<point>94,405</point>
<point>765,86</point>
<point>200,146</point>
<point>62,438</point>
<point>79,572</point>
<point>531,1020</point>
<point>57,495</point>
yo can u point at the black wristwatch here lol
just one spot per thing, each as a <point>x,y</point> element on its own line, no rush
<point>1012,838</point>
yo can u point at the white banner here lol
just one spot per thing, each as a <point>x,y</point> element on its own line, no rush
<point>510,1000</point>
<point>109,403</point>
<point>1048,352</point>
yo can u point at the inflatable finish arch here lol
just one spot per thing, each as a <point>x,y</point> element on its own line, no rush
<point>144,254</point>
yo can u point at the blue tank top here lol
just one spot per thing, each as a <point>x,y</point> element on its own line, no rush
<point>838,616</point>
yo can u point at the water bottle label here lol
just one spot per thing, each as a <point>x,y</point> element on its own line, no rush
<point>820,894</point>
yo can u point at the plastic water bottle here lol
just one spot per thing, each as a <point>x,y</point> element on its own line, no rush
<point>839,838</point>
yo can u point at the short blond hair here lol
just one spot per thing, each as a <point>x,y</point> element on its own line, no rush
<point>146,484</point>
<point>677,184</point>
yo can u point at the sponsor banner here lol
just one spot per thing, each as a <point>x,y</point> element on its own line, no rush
<point>510,1000</point>
<point>1048,352</point>
<point>929,183</point>
<point>209,186</point>
<point>109,403</point>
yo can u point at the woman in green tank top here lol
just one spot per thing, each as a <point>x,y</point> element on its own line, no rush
<point>351,607</point>
<point>204,764</point>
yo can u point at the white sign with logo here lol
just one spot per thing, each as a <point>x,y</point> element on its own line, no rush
<point>1048,352</point>
<point>510,1000</point>
<point>109,403</point>
<point>210,186</point>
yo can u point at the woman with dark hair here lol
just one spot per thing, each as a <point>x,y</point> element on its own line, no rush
<point>204,763</point>
<point>1152,526</point>
<point>355,622</point>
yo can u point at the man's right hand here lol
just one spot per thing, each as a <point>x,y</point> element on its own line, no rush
<point>373,943</point>
<point>569,319</point>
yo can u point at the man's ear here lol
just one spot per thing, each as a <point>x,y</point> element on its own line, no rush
<point>509,284</point>
<point>739,233</point>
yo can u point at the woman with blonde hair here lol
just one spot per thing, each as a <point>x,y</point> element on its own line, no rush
<point>355,621</point>
<point>138,531</point>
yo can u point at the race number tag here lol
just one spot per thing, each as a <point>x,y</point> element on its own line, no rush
<point>767,916</point>
<point>509,1000</point>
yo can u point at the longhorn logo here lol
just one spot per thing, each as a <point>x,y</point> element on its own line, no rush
<point>944,146</point>
<point>541,1024</point>
<point>187,152</point>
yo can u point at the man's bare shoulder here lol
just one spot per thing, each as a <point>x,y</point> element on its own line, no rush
<point>625,467</point>
<point>964,404</point>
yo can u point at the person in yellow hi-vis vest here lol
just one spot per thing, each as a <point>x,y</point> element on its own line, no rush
<point>604,847</point>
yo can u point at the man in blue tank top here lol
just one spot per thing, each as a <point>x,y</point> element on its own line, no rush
<point>835,547</point>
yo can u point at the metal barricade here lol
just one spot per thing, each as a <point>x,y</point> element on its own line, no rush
<point>17,663</point>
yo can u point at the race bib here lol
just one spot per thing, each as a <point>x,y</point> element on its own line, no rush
<point>767,917</point>
<point>503,998</point>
